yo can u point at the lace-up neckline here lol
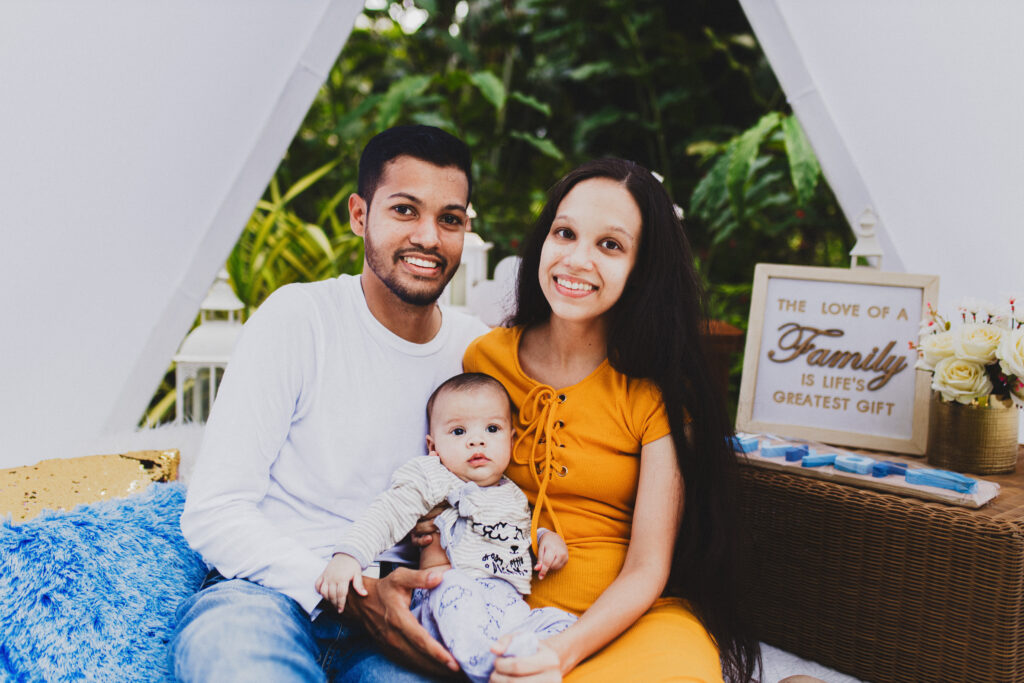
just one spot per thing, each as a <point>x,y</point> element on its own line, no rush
<point>541,429</point>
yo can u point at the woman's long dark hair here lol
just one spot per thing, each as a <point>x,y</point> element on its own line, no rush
<point>654,332</point>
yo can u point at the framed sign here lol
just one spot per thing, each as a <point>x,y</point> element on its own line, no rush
<point>828,357</point>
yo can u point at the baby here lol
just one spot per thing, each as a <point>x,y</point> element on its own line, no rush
<point>484,534</point>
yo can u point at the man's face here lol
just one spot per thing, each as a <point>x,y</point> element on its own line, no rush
<point>413,228</point>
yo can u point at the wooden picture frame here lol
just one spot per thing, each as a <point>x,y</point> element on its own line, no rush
<point>827,357</point>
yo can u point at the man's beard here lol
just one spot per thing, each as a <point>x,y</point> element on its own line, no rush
<point>379,265</point>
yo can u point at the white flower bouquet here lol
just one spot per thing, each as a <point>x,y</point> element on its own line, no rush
<point>981,356</point>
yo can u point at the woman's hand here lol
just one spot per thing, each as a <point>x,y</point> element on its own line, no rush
<point>543,666</point>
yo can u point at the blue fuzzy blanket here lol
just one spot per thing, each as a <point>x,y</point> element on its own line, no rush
<point>90,594</point>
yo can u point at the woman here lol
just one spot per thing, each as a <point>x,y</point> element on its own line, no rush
<point>603,362</point>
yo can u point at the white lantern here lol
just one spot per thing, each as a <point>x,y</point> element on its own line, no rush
<point>471,272</point>
<point>867,246</point>
<point>203,356</point>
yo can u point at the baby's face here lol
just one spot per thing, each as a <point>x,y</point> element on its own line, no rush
<point>471,430</point>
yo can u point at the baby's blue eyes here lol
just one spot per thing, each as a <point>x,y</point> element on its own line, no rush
<point>459,431</point>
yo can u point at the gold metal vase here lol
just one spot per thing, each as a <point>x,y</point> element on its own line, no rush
<point>972,438</point>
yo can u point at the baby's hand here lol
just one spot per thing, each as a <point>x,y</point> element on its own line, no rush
<point>552,553</point>
<point>333,583</point>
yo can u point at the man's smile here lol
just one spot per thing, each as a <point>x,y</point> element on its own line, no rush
<point>420,264</point>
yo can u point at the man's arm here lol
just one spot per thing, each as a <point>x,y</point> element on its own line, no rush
<point>262,392</point>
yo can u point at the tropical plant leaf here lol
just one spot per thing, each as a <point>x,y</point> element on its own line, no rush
<point>354,121</point>
<point>278,247</point>
<point>710,193</point>
<point>760,186</point>
<point>432,118</point>
<point>671,97</point>
<point>545,146</point>
<point>705,149</point>
<point>274,190</point>
<point>163,410</point>
<point>329,214</point>
<point>606,116</point>
<point>531,102</point>
<point>725,227</point>
<point>803,164</point>
<point>453,80</point>
<point>319,237</point>
<point>742,156</point>
<point>491,87</point>
<point>585,71</point>
<point>395,98</point>
<point>303,183</point>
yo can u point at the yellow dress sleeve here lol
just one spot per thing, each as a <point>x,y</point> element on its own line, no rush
<point>649,413</point>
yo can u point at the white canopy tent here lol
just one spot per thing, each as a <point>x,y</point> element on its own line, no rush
<point>136,136</point>
<point>913,108</point>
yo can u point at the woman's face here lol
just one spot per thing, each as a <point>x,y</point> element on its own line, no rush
<point>590,250</point>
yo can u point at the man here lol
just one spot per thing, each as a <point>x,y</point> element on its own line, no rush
<point>322,401</point>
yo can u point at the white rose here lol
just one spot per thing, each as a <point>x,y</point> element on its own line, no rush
<point>934,348</point>
<point>960,380</point>
<point>977,342</point>
<point>1011,352</point>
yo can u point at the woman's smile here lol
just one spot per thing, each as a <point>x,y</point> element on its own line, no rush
<point>573,287</point>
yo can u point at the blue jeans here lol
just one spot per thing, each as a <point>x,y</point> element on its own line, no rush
<point>236,630</point>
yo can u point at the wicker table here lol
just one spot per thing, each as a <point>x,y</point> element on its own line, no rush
<point>887,587</point>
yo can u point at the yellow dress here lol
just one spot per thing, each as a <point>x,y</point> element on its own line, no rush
<point>586,439</point>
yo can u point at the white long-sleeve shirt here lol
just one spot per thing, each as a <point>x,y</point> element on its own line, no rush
<point>318,407</point>
<point>485,532</point>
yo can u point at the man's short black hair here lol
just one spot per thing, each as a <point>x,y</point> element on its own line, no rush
<point>426,143</point>
<point>466,380</point>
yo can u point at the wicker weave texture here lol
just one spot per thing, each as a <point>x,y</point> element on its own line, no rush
<point>884,587</point>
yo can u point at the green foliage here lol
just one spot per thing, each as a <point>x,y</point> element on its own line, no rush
<point>532,91</point>
<point>278,247</point>
<point>803,165</point>
<point>536,87</point>
<point>490,87</point>
<point>761,200</point>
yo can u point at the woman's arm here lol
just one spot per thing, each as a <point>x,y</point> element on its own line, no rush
<point>656,519</point>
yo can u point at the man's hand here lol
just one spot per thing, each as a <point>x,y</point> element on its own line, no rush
<point>423,533</point>
<point>333,583</point>
<point>384,611</point>
<point>552,553</point>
